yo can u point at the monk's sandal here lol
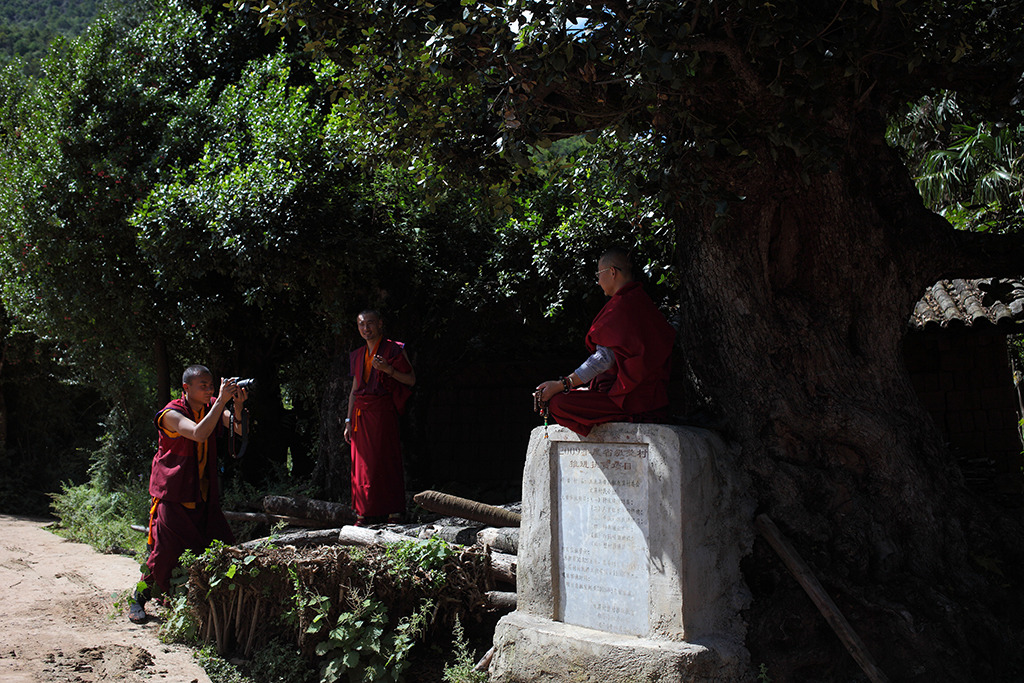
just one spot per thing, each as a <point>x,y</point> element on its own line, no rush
<point>136,609</point>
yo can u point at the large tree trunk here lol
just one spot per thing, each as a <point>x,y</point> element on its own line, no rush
<point>333,464</point>
<point>795,312</point>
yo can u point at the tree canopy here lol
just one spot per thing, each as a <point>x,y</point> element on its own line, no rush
<point>179,189</point>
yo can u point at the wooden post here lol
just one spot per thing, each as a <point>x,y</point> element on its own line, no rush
<point>809,582</point>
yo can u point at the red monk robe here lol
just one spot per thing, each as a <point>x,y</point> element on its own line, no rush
<point>636,388</point>
<point>183,482</point>
<point>378,481</point>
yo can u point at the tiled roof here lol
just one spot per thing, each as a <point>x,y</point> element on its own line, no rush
<point>951,304</point>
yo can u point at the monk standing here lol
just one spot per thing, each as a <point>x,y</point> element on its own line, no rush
<point>382,377</point>
<point>183,481</point>
<point>630,344</point>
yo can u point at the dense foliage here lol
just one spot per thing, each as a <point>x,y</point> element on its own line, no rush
<point>712,83</point>
<point>968,171</point>
<point>354,614</point>
<point>178,189</point>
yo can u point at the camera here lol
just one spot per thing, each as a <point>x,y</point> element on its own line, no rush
<point>246,384</point>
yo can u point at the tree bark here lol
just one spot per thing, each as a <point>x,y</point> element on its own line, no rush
<point>333,460</point>
<point>267,518</point>
<point>297,538</point>
<point>309,508</point>
<point>502,539</point>
<point>794,313</point>
<point>809,582</point>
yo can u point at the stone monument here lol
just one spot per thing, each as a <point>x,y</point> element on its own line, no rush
<point>629,559</point>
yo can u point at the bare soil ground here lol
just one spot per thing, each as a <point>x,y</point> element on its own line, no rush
<point>58,621</point>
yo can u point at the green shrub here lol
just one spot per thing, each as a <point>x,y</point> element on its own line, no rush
<point>361,646</point>
<point>103,519</point>
<point>462,669</point>
<point>220,670</point>
<point>125,452</point>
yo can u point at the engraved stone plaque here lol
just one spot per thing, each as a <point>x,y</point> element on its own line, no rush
<point>602,527</point>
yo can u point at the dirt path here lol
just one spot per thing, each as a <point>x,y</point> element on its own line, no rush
<point>56,600</point>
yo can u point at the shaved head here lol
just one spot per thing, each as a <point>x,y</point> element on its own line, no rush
<point>618,258</point>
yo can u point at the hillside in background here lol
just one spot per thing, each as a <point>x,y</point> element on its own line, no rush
<point>28,26</point>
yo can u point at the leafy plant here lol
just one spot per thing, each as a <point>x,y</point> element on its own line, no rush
<point>179,625</point>
<point>361,645</point>
<point>218,669</point>
<point>280,662</point>
<point>427,557</point>
<point>305,600</point>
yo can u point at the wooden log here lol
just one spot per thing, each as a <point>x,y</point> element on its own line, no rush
<point>269,519</point>
<point>360,535</point>
<point>299,538</point>
<point>504,539</point>
<point>809,582</point>
<point>485,662</point>
<point>458,535</point>
<point>446,504</point>
<point>336,514</point>
<point>503,599</point>
<point>502,566</point>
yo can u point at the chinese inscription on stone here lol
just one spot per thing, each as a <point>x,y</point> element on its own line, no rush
<point>602,536</point>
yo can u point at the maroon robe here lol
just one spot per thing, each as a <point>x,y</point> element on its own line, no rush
<point>635,389</point>
<point>186,512</point>
<point>378,480</point>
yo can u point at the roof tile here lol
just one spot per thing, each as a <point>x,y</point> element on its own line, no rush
<point>970,303</point>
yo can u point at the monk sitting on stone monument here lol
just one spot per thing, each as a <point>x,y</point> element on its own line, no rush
<point>630,344</point>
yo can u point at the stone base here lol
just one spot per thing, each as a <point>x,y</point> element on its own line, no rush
<point>531,649</point>
<point>629,560</point>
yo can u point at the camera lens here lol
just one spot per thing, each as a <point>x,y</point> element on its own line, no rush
<point>246,383</point>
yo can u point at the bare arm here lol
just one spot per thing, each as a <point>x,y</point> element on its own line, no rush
<point>174,421</point>
<point>406,378</point>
